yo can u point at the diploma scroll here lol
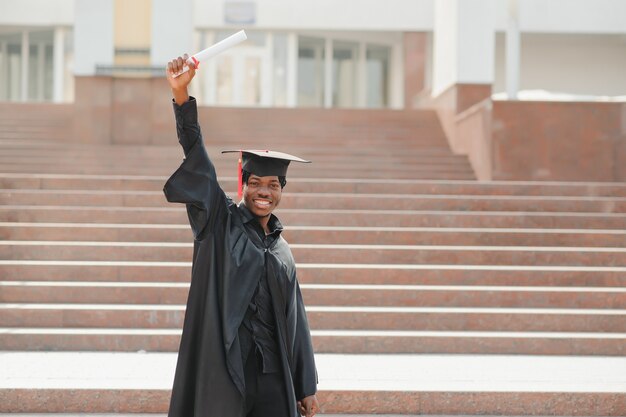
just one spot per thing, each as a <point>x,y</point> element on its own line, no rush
<point>213,50</point>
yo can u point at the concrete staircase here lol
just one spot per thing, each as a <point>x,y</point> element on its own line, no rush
<point>399,251</point>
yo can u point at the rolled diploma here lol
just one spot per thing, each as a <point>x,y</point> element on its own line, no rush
<point>213,50</point>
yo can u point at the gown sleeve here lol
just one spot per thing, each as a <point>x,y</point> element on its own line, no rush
<point>194,183</point>
<point>305,375</point>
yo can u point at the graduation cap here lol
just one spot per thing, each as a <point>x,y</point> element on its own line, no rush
<point>263,163</point>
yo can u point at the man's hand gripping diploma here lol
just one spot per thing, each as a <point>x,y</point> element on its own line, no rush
<point>179,84</point>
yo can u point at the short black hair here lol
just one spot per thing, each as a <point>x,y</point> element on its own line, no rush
<point>245,175</point>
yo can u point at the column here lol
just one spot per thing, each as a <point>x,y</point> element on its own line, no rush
<point>25,70</point>
<point>463,72</point>
<point>209,72</point>
<point>362,76</point>
<point>41,67</point>
<point>171,40</point>
<point>267,68</point>
<point>292,69</point>
<point>58,67</point>
<point>93,35</point>
<point>93,45</point>
<point>328,73</point>
<point>396,90</point>
<point>513,50</point>
<point>464,38</point>
<point>238,74</point>
<point>196,88</point>
<point>4,71</point>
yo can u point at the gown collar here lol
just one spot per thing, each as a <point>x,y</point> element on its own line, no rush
<point>274,224</point>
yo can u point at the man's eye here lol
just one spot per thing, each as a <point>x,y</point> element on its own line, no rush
<point>275,186</point>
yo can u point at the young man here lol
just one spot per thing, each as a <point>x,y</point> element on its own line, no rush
<point>246,346</point>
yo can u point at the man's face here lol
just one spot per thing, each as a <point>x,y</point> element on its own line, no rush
<point>261,195</point>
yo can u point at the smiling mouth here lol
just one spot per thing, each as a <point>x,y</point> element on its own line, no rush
<point>263,204</point>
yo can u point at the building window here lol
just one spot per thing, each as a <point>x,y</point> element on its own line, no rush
<point>225,94</point>
<point>311,72</point>
<point>279,69</point>
<point>33,77</point>
<point>377,76</point>
<point>41,66</point>
<point>252,81</point>
<point>240,71</point>
<point>11,69</point>
<point>345,74</point>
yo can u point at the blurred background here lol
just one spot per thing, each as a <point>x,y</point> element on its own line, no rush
<point>358,54</point>
<point>400,54</point>
<point>460,235</point>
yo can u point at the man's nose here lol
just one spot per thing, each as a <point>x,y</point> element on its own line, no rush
<point>263,191</point>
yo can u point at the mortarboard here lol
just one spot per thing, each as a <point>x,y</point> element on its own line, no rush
<point>263,163</point>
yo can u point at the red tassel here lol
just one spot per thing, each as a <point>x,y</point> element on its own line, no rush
<point>240,180</point>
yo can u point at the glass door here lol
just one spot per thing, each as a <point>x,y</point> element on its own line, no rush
<point>27,77</point>
<point>377,76</point>
<point>239,78</point>
<point>10,67</point>
<point>241,74</point>
<point>311,72</point>
<point>345,73</point>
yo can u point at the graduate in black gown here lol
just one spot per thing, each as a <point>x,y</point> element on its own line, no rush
<point>246,347</point>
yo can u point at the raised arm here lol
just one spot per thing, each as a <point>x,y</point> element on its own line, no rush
<point>187,126</point>
<point>195,181</point>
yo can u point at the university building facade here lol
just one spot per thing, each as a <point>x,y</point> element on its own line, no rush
<point>447,55</point>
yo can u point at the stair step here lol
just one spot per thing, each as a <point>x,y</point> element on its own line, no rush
<point>320,185</point>
<point>175,214</point>
<point>328,317</point>
<point>405,384</point>
<point>325,295</point>
<point>140,170</point>
<point>332,201</point>
<point>325,253</point>
<point>348,402</point>
<point>498,275</point>
<point>330,341</point>
<point>417,164</point>
<point>172,150</point>
<point>105,232</point>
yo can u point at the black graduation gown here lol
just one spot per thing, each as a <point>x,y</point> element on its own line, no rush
<point>227,265</point>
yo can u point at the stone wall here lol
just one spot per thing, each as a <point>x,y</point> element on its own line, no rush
<point>542,141</point>
<point>123,110</point>
<point>570,141</point>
